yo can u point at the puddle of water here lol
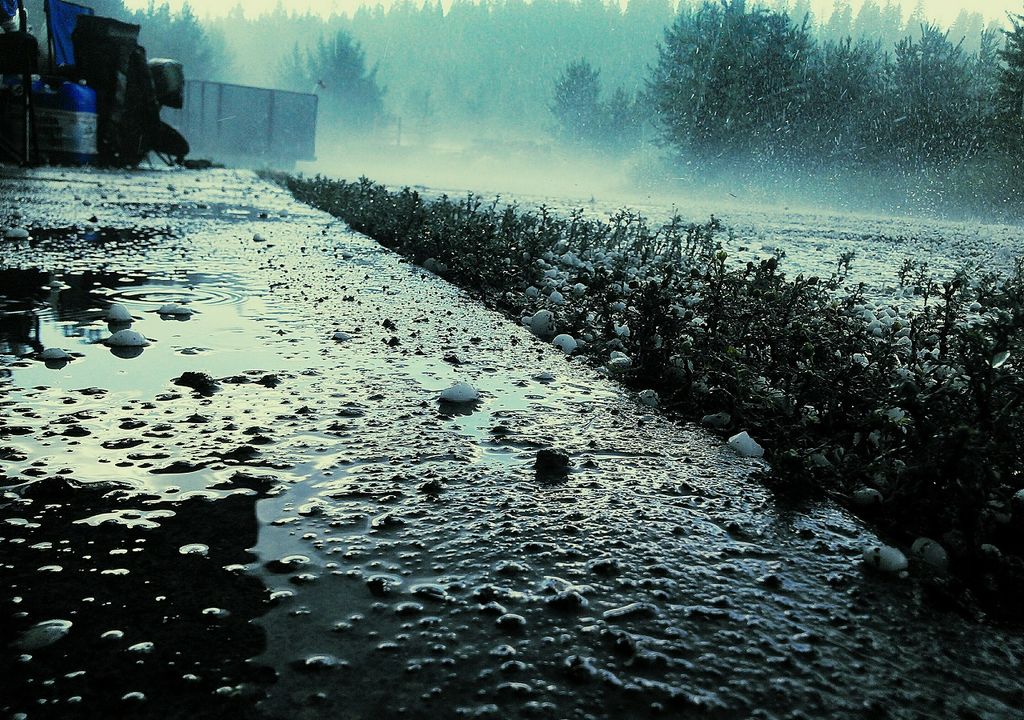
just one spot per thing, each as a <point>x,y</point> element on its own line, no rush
<point>224,336</point>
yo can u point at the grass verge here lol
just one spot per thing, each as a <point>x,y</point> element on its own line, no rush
<point>909,412</point>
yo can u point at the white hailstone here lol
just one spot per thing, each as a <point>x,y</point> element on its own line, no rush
<point>460,393</point>
<point>565,343</point>
<point>903,374</point>
<point>555,298</point>
<point>622,331</point>
<point>16,233</point>
<point>930,552</point>
<point>975,307</point>
<point>619,360</point>
<point>532,292</point>
<point>579,289</point>
<point>819,460</point>
<point>127,338</point>
<point>649,398</point>
<point>745,446</point>
<point>118,313</point>
<point>991,551</point>
<point>43,634</point>
<point>341,336</point>
<point>618,306</point>
<point>258,238</point>
<point>544,376</point>
<point>866,497</point>
<point>861,359</point>
<point>895,414</point>
<point>54,354</point>
<point>194,549</point>
<point>717,420</point>
<point>885,558</point>
<point>542,324</point>
<point>175,309</point>
<point>1018,499</point>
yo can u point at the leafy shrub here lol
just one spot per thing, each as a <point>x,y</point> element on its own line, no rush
<point>919,400</point>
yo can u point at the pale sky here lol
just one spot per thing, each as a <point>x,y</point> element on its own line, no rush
<point>945,11</point>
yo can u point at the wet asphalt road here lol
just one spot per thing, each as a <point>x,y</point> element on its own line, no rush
<point>315,535</point>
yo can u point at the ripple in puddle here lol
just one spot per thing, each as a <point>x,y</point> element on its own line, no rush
<point>41,310</point>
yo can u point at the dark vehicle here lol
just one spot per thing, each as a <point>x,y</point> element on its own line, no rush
<point>99,100</point>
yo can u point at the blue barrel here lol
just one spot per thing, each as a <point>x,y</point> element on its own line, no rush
<point>65,122</point>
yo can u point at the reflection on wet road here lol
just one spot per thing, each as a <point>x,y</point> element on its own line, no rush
<point>246,517</point>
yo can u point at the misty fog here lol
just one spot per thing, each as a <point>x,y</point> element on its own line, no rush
<point>869,106</point>
<point>469,98</point>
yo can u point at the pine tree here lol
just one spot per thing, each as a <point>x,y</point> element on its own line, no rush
<point>336,69</point>
<point>802,11</point>
<point>1011,81</point>
<point>730,81</point>
<point>840,25</point>
<point>932,93</point>
<point>968,28</point>
<point>869,21</point>
<point>623,120</point>
<point>918,19</point>
<point>577,103</point>
<point>1010,104</point>
<point>892,24</point>
<point>841,118</point>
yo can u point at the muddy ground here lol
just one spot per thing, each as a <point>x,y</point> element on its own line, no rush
<point>312,534</point>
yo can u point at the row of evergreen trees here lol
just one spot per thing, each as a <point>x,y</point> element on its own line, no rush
<point>736,81</point>
<point>497,64</point>
<point>739,82</point>
<point>723,79</point>
<point>491,64</point>
<point>485,65</point>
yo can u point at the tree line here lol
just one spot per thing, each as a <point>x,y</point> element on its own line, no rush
<point>736,82</point>
<point>714,80</point>
<point>516,63</point>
